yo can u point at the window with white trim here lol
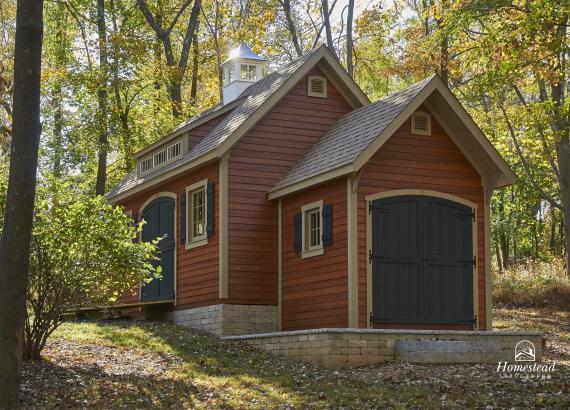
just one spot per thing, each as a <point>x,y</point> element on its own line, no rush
<point>248,72</point>
<point>312,229</point>
<point>145,165</point>
<point>230,74</point>
<point>174,150</point>
<point>196,202</point>
<point>317,86</point>
<point>161,157</point>
<point>421,123</point>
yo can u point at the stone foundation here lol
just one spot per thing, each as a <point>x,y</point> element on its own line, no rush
<point>334,348</point>
<point>227,320</point>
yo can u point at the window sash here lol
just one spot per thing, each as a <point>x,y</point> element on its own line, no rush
<point>197,211</point>
<point>248,72</point>
<point>313,229</point>
<point>231,73</point>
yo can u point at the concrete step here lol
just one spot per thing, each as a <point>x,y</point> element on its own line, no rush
<point>449,351</point>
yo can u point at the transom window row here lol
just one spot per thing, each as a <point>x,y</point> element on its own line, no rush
<point>161,157</point>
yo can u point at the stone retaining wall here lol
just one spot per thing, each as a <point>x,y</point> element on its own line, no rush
<point>354,347</point>
<point>226,319</point>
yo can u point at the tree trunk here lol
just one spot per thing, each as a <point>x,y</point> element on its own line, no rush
<point>291,26</point>
<point>349,42</point>
<point>16,234</point>
<point>563,156</point>
<point>195,66</point>
<point>176,96</point>
<point>328,30</point>
<point>57,94</point>
<point>178,70</point>
<point>103,139</point>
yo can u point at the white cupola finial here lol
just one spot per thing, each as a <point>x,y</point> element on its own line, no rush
<point>241,69</point>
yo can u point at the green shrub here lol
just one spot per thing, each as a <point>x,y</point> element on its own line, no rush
<point>533,284</point>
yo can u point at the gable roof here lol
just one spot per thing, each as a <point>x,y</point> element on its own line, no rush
<point>356,136</point>
<point>244,112</point>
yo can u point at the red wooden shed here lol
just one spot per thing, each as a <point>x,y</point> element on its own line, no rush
<point>299,204</point>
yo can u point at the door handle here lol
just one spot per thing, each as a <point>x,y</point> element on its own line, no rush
<point>427,260</point>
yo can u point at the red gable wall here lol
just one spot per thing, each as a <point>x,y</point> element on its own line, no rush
<point>434,163</point>
<point>256,164</point>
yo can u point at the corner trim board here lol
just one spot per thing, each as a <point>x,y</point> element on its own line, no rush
<point>223,221</point>
<point>488,192</point>
<point>352,233</point>
<point>279,264</point>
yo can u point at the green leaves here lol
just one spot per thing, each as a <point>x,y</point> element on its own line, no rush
<point>82,254</point>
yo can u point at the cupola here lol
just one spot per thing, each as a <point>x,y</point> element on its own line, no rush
<point>241,69</point>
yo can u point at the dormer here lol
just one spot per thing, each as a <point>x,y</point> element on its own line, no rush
<point>162,155</point>
<point>241,69</point>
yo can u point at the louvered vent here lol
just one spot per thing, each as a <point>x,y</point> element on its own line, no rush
<point>317,87</point>
<point>421,123</point>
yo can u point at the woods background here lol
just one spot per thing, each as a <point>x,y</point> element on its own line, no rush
<point>119,74</point>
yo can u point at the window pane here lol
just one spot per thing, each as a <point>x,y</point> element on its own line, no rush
<point>313,228</point>
<point>198,212</point>
<point>248,72</point>
<point>231,73</point>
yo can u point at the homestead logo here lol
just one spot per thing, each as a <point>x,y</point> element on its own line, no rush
<point>525,353</point>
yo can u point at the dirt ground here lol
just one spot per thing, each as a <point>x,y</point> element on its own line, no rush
<point>155,365</point>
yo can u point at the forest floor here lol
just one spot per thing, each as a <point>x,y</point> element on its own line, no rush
<point>114,364</point>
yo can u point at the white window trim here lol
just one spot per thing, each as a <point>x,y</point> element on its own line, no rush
<point>246,79</point>
<point>194,242</point>
<point>310,93</point>
<point>167,160</point>
<point>317,250</point>
<point>414,130</point>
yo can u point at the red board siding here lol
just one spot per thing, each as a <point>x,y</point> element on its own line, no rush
<point>315,289</point>
<point>257,162</point>
<point>434,163</point>
<point>196,269</point>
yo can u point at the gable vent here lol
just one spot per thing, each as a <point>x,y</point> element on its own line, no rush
<point>317,87</point>
<point>421,123</point>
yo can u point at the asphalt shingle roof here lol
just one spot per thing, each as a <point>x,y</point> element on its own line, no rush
<point>249,101</point>
<point>350,136</point>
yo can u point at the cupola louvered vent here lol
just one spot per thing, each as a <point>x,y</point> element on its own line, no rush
<point>421,123</point>
<point>317,87</point>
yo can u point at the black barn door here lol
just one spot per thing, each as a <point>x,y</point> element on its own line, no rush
<point>422,261</point>
<point>159,217</point>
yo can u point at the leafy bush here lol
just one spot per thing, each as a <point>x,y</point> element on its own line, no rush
<point>82,254</point>
<point>533,284</point>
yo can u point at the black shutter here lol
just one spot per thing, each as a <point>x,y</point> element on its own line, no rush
<point>210,209</point>
<point>182,231</point>
<point>327,224</point>
<point>298,222</point>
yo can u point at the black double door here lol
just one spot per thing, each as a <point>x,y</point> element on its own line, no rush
<point>422,261</point>
<point>159,218</point>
